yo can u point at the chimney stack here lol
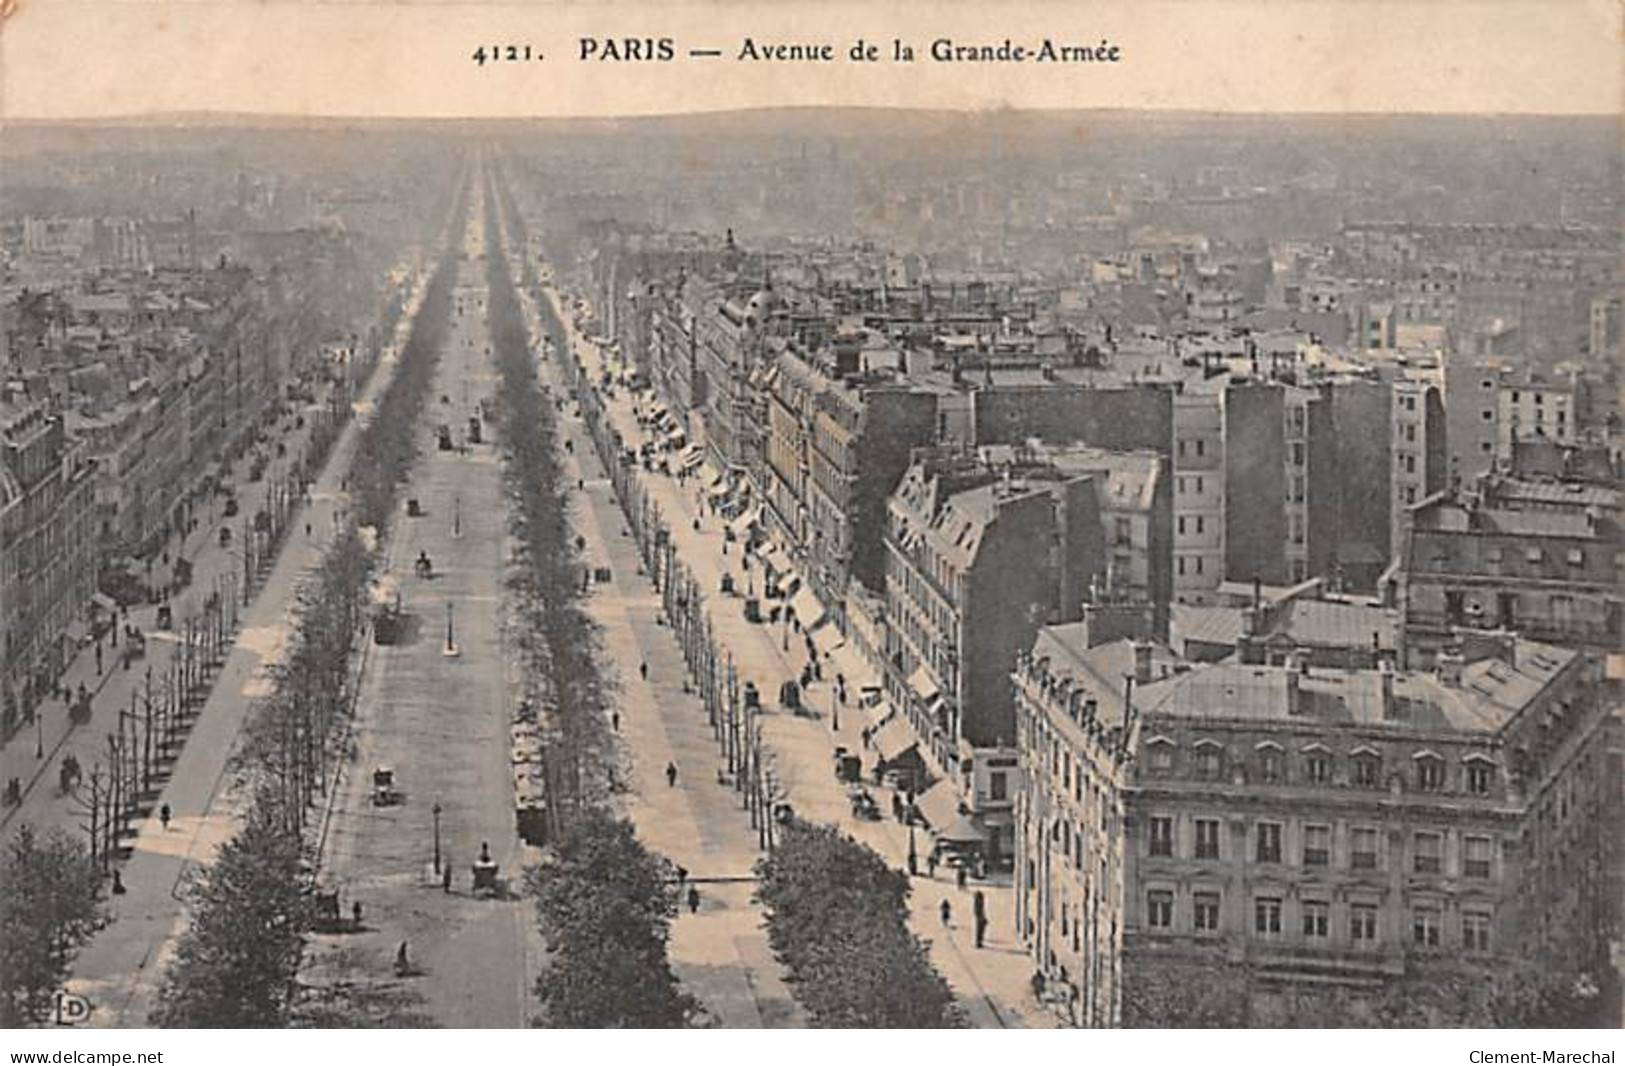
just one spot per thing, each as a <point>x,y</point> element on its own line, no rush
<point>1142,662</point>
<point>1450,664</point>
<point>1390,706</point>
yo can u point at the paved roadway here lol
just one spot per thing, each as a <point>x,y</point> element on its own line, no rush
<point>442,723</point>
<point>120,969</point>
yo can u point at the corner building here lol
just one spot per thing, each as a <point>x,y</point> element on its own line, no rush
<point>1299,828</point>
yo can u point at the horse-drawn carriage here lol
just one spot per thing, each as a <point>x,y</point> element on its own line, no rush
<point>384,792</point>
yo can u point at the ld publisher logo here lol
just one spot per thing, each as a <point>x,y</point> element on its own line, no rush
<point>71,1009</point>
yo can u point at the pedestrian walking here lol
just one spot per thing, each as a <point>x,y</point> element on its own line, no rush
<point>643,670</point>
<point>960,876</point>
<point>403,964</point>
<point>947,913</point>
<point>98,657</point>
<point>693,900</point>
<point>355,912</point>
<point>445,876</point>
<point>163,815</point>
<point>671,775</point>
<point>979,911</point>
<point>615,720</point>
<point>307,530</point>
<point>981,929</point>
<point>118,884</point>
<point>931,863</point>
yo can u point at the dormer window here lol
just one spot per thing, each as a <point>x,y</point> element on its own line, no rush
<point>1317,765</point>
<point>1480,772</point>
<point>1209,759</point>
<point>1269,763</point>
<point>1162,754</point>
<point>1429,772</point>
<point>1367,769</point>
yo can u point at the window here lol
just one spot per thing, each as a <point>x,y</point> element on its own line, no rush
<point>1207,838</point>
<point>1425,927</point>
<point>1205,910</point>
<point>1208,761</point>
<point>1476,857</point>
<point>1162,836</point>
<point>1269,764</point>
<point>998,787</point>
<point>1182,525</point>
<point>1429,773</point>
<point>1180,561</point>
<point>1162,757</point>
<point>1363,923</point>
<point>1428,850</point>
<point>1317,767</point>
<point>1267,916</point>
<point>1123,531</point>
<point>1475,930</point>
<point>1488,416</point>
<point>1198,483</point>
<point>1317,845</point>
<point>1269,842</point>
<point>1182,449</point>
<point>1367,771</point>
<point>1363,848</point>
<point>1577,557</point>
<point>1159,910</point>
<point>1317,919</point>
<point>1201,446</point>
<point>1478,777</point>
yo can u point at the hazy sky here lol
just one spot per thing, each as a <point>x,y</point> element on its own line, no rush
<point>82,58</point>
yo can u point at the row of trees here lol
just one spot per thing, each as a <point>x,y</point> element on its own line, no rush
<point>48,906</point>
<point>837,917</point>
<point>605,905</point>
<point>388,443</point>
<point>555,634</point>
<point>604,902</point>
<point>251,909</point>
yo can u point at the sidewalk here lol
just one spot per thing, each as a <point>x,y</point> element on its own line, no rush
<point>991,982</point>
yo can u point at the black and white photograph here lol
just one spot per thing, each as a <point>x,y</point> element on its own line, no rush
<point>744,516</point>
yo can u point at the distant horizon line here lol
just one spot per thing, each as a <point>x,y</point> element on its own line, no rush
<point>179,116</point>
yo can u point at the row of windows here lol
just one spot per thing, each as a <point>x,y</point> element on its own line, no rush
<point>1209,762</point>
<point>1426,853</point>
<point>1315,920</point>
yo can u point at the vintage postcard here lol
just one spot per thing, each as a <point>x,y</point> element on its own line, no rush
<point>731,515</point>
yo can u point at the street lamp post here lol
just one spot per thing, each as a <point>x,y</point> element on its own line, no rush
<point>436,810</point>
<point>39,731</point>
<point>451,643</point>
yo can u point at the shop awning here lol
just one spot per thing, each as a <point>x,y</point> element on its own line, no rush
<point>717,492</point>
<point>940,804</point>
<point>784,582</point>
<point>677,438</point>
<point>894,739</point>
<point>741,525</point>
<point>777,561</point>
<point>693,456</point>
<point>961,831</point>
<point>922,684</point>
<point>809,609</point>
<point>104,601</point>
<point>826,638</point>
